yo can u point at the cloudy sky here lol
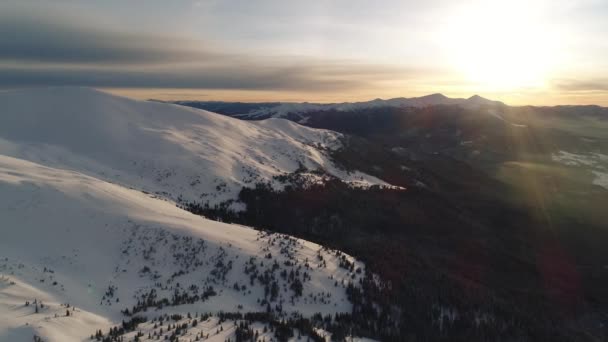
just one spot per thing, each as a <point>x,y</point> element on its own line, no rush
<point>521,52</point>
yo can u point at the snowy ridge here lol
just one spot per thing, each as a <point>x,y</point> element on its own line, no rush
<point>161,148</point>
<point>284,109</point>
<point>70,240</point>
<point>92,236</point>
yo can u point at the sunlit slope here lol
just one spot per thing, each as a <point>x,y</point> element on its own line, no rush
<point>160,148</point>
<point>68,238</point>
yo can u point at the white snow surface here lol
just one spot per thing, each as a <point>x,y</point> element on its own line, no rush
<point>82,230</point>
<point>601,179</point>
<point>68,238</point>
<point>160,148</point>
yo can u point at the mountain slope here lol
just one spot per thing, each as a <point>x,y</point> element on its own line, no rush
<point>92,236</point>
<point>160,148</point>
<point>68,238</point>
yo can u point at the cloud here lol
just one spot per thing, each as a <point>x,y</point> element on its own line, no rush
<point>204,78</point>
<point>581,85</point>
<point>33,37</point>
<point>57,50</point>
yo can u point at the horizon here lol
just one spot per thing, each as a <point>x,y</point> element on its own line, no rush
<point>542,53</point>
<point>193,98</point>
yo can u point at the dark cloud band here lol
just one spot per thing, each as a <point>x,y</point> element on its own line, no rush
<point>30,37</point>
<point>224,78</point>
<point>582,85</point>
<point>52,49</point>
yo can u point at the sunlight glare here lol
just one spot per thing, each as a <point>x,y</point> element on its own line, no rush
<point>501,45</point>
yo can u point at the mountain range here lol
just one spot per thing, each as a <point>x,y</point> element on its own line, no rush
<point>259,111</point>
<point>390,220</point>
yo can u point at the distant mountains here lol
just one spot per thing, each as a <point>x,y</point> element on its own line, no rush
<point>297,111</point>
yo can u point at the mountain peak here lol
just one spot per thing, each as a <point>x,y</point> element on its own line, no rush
<point>479,100</point>
<point>437,96</point>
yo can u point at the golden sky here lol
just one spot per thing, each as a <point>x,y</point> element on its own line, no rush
<point>537,52</point>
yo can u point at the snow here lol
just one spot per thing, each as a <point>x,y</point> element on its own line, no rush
<point>78,228</point>
<point>20,323</point>
<point>88,224</point>
<point>573,159</point>
<point>215,331</point>
<point>601,179</point>
<point>596,162</point>
<point>161,148</point>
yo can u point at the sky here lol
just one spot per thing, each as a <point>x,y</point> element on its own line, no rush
<point>538,52</point>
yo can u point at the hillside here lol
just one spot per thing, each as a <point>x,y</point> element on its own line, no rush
<point>160,148</point>
<point>72,239</point>
<point>561,150</point>
<point>92,236</point>
<point>504,217</point>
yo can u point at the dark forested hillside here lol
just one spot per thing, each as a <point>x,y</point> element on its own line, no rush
<point>498,235</point>
<point>456,262</point>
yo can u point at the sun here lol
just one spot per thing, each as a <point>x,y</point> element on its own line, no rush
<point>499,45</point>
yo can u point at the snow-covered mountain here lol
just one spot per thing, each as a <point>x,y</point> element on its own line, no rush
<point>86,243</point>
<point>160,148</point>
<point>68,238</point>
<point>300,110</point>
